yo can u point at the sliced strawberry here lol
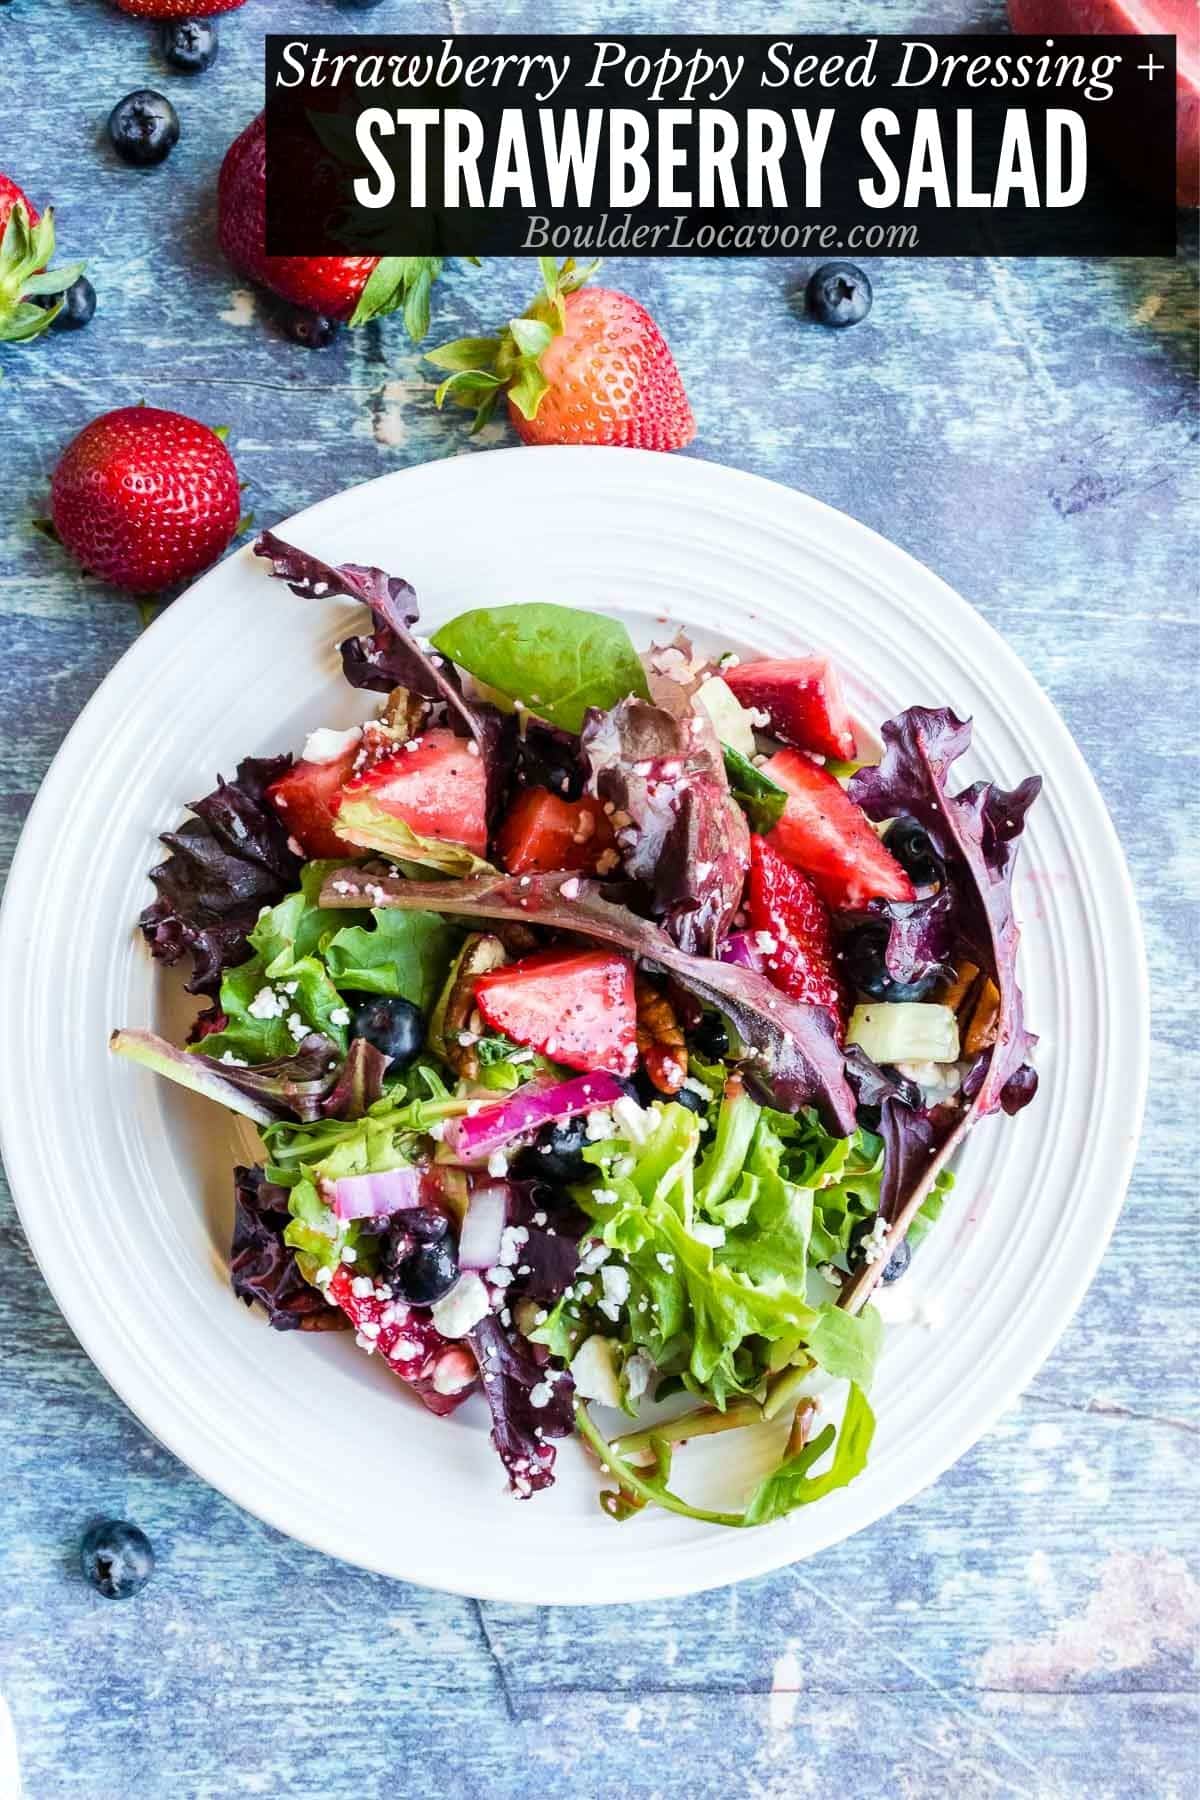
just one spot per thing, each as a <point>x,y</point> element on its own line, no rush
<point>803,700</point>
<point>543,832</point>
<point>436,784</point>
<point>306,799</point>
<point>831,839</point>
<point>440,1371</point>
<point>792,930</point>
<point>575,1006</point>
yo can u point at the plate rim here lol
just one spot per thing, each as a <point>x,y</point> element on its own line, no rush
<point>171,629</point>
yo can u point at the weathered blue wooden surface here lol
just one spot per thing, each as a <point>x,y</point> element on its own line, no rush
<point>1028,1626</point>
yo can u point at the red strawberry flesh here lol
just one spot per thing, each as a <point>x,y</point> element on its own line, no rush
<point>802,697</point>
<point>792,930</point>
<point>576,1007</point>
<point>306,799</point>
<point>441,1372</point>
<point>436,784</point>
<point>831,839</point>
<point>544,832</point>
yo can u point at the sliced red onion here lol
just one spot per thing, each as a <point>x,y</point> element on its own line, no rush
<point>376,1196</point>
<point>474,1138</point>
<point>739,948</point>
<point>487,1215</point>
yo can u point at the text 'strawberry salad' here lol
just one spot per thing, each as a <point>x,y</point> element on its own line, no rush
<point>607,1023</point>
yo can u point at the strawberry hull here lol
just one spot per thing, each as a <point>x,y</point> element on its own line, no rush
<point>831,839</point>
<point>803,700</point>
<point>576,1007</point>
<point>439,1371</point>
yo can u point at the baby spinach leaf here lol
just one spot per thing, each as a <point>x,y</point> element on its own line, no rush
<point>555,660</point>
<point>761,799</point>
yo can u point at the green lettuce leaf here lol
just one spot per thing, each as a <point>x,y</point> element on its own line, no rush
<point>792,1484</point>
<point>556,660</point>
<point>364,823</point>
<point>296,988</point>
<point>401,954</point>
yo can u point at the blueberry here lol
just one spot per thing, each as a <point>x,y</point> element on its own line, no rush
<point>116,1558</point>
<point>189,45</point>
<point>863,959</point>
<point>556,1154</point>
<point>912,847</point>
<point>313,330</point>
<point>394,1026</point>
<point>78,305</point>
<point>144,127</point>
<point>898,1261</point>
<point>357,5</point>
<point>420,1257</point>
<point>839,294</point>
<point>688,1097</point>
<point>710,1038</point>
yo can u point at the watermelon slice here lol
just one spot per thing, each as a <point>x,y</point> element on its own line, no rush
<point>831,839</point>
<point>803,700</point>
<point>575,1006</point>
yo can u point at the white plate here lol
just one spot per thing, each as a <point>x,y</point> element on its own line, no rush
<point>123,1182</point>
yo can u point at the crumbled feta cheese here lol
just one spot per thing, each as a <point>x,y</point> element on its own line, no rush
<point>635,1123</point>
<point>767,942</point>
<point>437,1130</point>
<point>266,1004</point>
<point>232,1061</point>
<point>349,1256</point>
<point>340,1015</point>
<point>570,889</point>
<point>499,1276</point>
<point>592,1256</point>
<point>598,1125</point>
<point>541,1394</point>
<point>325,745</point>
<point>712,1235</point>
<point>665,1261</point>
<point>639,1372</point>
<point>296,1026</point>
<point>361,1286</point>
<point>614,1280</point>
<point>462,1308</point>
<point>497,1163</point>
<point>511,1239</point>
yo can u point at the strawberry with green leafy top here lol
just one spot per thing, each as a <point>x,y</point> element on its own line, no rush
<point>26,246</point>
<point>581,366</point>
<point>350,289</point>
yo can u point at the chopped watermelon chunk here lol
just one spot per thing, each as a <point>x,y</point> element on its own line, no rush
<point>544,832</point>
<point>306,799</point>
<point>436,785</point>
<point>831,839</point>
<point>802,697</point>
<point>575,1006</point>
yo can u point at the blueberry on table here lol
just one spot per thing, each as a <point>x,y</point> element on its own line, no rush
<point>556,1154</point>
<point>116,1558</point>
<point>421,1257</point>
<point>311,329</point>
<point>143,127</point>
<point>863,961</point>
<point>912,847</point>
<point>710,1038</point>
<point>189,45</point>
<point>78,305</point>
<point>839,294</point>
<point>395,1027</point>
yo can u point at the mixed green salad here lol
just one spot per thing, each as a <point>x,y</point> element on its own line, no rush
<point>608,1023</point>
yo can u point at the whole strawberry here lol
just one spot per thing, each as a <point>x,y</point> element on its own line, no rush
<point>145,498</point>
<point>26,246</point>
<point>177,9</point>
<point>352,289</point>
<point>581,366</point>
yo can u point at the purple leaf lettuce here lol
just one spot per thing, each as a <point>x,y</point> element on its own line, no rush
<point>263,1268</point>
<point>513,1380</point>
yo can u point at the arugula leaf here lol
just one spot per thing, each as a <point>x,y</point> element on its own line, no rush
<point>366,824</point>
<point>556,660</point>
<point>403,954</point>
<point>791,1485</point>
<point>761,799</point>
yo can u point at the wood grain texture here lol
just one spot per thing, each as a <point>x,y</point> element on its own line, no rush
<point>1029,1625</point>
